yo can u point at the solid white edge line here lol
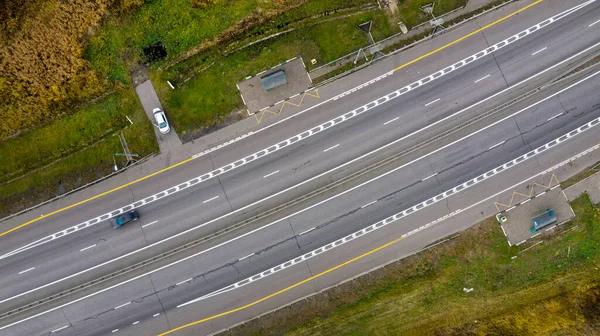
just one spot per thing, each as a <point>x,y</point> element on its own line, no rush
<point>482,78</point>
<point>304,182</point>
<point>330,148</point>
<point>555,18</point>
<point>391,120</point>
<point>273,173</point>
<point>87,248</point>
<point>210,199</point>
<point>539,51</point>
<point>27,270</point>
<point>594,23</point>
<point>431,102</point>
<point>260,228</point>
<point>150,224</point>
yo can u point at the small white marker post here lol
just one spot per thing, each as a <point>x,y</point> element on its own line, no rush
<point>131,122</point>
<point>171,85</point>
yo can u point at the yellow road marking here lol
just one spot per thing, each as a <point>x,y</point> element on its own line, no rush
<point>552,178</point>
<point>467,36</point>
<point>283,290</point>
<point>94,197</point>
<point>262,114</point>
<point>258,121</point>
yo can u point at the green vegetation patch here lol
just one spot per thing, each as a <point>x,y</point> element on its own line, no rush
<point>411,14</point>
<point>174,23</point>
<point>71,151</point>
<point>581,176</point>
<point>423,294</point>
<point>323,30</point>
<point>212,94</point>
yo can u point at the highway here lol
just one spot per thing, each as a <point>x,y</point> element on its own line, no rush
<point>444,101</point>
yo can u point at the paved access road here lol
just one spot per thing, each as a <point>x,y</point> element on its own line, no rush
<point>319,153</point>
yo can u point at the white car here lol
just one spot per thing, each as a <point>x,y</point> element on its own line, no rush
<point>161,121</point>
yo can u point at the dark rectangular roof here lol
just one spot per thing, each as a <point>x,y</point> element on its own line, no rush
<point>545,218</point>
<point>273,80</point>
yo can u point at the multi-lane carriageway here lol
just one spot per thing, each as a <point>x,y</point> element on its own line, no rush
<point>448,182</point>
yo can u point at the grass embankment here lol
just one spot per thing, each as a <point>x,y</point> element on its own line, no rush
<point>71,151</point>
<point>211,94</point>
<point>550,288</point>
<point>78,148</point>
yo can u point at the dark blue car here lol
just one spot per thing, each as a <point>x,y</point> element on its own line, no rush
<point>125,218</point>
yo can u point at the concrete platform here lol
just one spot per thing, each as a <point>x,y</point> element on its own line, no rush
<point>590,186</point>
<point>518,225</point>
<point>257,99</point>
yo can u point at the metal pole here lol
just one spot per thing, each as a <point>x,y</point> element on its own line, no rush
<point>115,162</point>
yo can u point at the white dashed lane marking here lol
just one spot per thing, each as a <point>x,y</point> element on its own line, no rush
<point>498,144</point>
<point>59,329</point>
<point>330,148</point>
<point>273,173</point>
<point>366,205</point>
<point>594,23</point>
<point>87,248</point>
<point>150,224</point>
<point>182,282</point>
<point>431,102</point>
<point>389,121</point>
<point>539,51</point>
<point>123,305</point>
<point>556,116</point>
<point>27,270</point>
<point>428,177</point>
<point>307,231</point>
<point>210,199</point>
<point>482,78</point>
<point>246,257</point>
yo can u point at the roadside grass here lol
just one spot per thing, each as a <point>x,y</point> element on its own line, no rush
<point>411,14</point>
<point>581,176</point>
<point>212,94</point>
<point>423,294</point>
<point>71,151</point>
<point>174,23</point>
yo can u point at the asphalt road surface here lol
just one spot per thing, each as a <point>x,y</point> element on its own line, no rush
<point>429,109</point>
